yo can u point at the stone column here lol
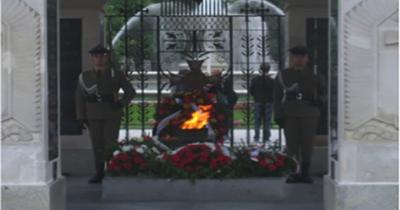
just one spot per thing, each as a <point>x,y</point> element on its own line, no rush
<point>365,173</point>
<point>30,162</point>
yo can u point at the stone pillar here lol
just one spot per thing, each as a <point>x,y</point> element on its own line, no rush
<point>76,150</point>
<point>30,158</point>
<point>364,175</point>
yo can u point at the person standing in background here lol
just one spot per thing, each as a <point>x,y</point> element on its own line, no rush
<point>261,88</point>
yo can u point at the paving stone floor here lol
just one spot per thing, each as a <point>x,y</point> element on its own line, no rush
<point>82,196</point>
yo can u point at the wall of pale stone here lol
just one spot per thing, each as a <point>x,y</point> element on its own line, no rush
<point>29,180</point>
<point>366,171</point>
<point>24,94</point>
<point>368,71</point>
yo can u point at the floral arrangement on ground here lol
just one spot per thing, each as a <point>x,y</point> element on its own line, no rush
<point>145,157</point>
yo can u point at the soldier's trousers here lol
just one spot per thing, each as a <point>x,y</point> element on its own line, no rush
<point>104,135</point>
<point>300,133</point>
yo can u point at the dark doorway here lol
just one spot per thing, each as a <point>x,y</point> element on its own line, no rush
<point>70,68</point>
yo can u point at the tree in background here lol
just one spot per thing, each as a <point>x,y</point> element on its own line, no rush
<point>115,10</point>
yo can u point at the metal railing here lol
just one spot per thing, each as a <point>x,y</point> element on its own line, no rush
<point>154,44</point>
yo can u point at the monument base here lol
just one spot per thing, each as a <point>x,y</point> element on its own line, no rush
<point>368,196</point>
<point>51,196</point>
<point>247,189</point>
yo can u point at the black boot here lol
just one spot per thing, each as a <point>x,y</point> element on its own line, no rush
<point>98,177</point>
<point>305,174</point>
<point>293,178</point>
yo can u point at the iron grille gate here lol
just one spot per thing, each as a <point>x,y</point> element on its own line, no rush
<point>148,46</point>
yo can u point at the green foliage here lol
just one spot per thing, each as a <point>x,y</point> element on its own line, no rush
<point>117,7</point>
<point>115,20</point>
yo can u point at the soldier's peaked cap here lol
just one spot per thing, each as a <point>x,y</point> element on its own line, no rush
<point>299,50</point>
<point>98,49</point>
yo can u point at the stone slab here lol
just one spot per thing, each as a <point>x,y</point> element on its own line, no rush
<point>319,161</point>
<point>194,206</point>
<point>51,196</point>
<point>77,161</point>
<point>255,189</point>
<point>360,196</point>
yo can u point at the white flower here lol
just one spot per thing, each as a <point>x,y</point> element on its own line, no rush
<point>127,148</point>
<point>144,147</point>
<point>155,150</point>
<point>116,153</point>
<point>140,150</point>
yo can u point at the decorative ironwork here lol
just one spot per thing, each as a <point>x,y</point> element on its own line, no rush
<point>194,23</point>
<point>194,8</point>
<point>197,29</point>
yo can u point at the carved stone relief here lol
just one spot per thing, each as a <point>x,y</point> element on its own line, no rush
<point>370,70</point>
<point>12,131</point>
<point>22,80</point>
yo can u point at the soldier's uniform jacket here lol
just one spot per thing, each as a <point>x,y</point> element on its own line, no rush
<point>302,102</point>
<point>98,104</point>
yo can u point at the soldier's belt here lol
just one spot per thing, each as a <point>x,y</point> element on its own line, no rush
<point>100,99</point>
<point>298,97</point>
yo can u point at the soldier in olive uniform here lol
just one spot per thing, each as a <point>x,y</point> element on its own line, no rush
<point>99,106</point>
<point>297,94</point>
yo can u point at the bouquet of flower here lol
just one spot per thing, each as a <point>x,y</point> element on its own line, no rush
<point>133,157</point>
<point>199,160</point>
<point>146,156</point>
<point>257,161</point>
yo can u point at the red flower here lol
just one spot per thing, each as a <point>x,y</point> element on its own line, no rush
<point>147,138</point>
<point>127,166</point>
<point>143,166</point>
<point>214,164</point>
<point>210,96</point>
<point>113,166</point>
<point>122,157</point>
<point>263,163</point>
<point>175,158</point>
<point>279,163</point>
<point>165,156</point>
<point>271,167</point>
<point>280,157</point>
<point>192,158</point>
<point>138,160</point>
